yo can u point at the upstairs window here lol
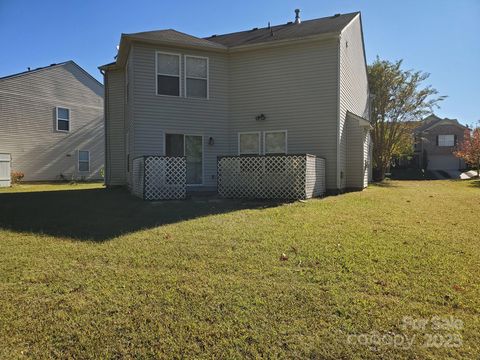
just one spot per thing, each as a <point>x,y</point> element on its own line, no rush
<point>275,142</point>
<point>83,160</point>
<point>196,78</point>
<point>249,143</point>
<point>63,119</point>
<point>446,140</point>
<point>168,74</point>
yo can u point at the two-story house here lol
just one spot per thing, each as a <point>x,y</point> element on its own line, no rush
<point>299,87</point>
<point>435,141</point>
<point>51,123</point>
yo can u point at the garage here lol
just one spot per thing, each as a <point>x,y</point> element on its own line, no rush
<point>444,162</point>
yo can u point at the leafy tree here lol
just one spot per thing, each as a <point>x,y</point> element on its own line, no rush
<point>469,149</point>
<point>406,140</point>
<point>397,98</point>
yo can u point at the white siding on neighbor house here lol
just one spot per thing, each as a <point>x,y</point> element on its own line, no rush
<point>28,122</point>
<point>154,115</point>
<point>115,128</point>
<point>295,87</point>
<point>5,170</point>
<point>353,88</point>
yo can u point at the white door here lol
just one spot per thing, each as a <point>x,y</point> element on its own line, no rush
<point>5,170</point>
<point>190,146</point>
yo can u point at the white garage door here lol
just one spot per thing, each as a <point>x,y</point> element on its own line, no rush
<point>443,162</point>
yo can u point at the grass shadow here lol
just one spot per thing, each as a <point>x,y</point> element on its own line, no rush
<point>412,174</point>
<point>385,183</point>
<point>474,183</point>
<point>102,214</point>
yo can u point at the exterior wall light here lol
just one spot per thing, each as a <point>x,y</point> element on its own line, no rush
<point>211,141</point>
<point>260,117</point>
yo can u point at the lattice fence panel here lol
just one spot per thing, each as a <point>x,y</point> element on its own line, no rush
<point>315,177</point>
<point>138,176</point>
<point>165,178</point>
<point>262,177</point>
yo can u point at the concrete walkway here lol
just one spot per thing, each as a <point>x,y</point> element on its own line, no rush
<point>454,174</point>
<point>468,175</point>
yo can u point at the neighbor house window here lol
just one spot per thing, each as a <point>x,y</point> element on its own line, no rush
<point>196,77</point>
<point>168,74</point>
<point>83,160</point>
<point>275,142</point>
<point>63,119</point>
<point>249,143</point>
<point>446,140</point>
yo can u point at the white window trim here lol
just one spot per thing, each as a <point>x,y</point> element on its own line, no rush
<point>78,161</point>
<point>176,132</point>
<point>247,133</point>
<point>452,135</point>
<point>69,119</point>
<point>270,132</point>
<point>199,78</point>
<point>179,74</point>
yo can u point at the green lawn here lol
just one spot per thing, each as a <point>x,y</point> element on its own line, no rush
<point>92,273</point>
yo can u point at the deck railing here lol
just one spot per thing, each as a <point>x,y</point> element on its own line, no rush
<point>299,176</point>
<point>159,177</point>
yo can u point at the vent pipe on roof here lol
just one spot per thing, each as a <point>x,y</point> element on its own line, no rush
<point>297,16</point>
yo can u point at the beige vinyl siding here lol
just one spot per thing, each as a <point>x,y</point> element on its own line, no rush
<point>156,114</point>
<point>295,87</point>
<point>354,156</point>
<point>353,88</point>
<point>115,130</point>
<point>28,122</point>
<point>129,119</point>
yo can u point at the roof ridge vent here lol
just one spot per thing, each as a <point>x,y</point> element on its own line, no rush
<point>297,16</point>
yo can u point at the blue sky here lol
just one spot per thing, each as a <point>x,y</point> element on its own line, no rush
<point>440,37</point>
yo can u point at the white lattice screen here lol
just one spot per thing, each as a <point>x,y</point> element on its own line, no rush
<point>270,177</point>
<point>163,178</point>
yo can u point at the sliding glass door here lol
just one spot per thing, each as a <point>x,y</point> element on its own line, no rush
<point>190,146</point>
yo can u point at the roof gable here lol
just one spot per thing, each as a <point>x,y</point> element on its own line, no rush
<point>49,67</point>
<point>328,26</point>
<point>174,36</point>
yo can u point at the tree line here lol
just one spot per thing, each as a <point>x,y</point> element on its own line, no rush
<point>399,99</point>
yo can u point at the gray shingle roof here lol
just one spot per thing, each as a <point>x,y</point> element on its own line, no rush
<point>327,25</point>
<point>332,24</point>
<point>33,70</point>
<point>433,119</point>
<point>174,36</point>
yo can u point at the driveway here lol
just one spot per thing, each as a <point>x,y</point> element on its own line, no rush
<point>454,174</point>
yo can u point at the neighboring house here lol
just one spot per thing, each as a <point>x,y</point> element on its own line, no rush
<point>299,87</point>
<point>435,141</point>
<point>52,123</point>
